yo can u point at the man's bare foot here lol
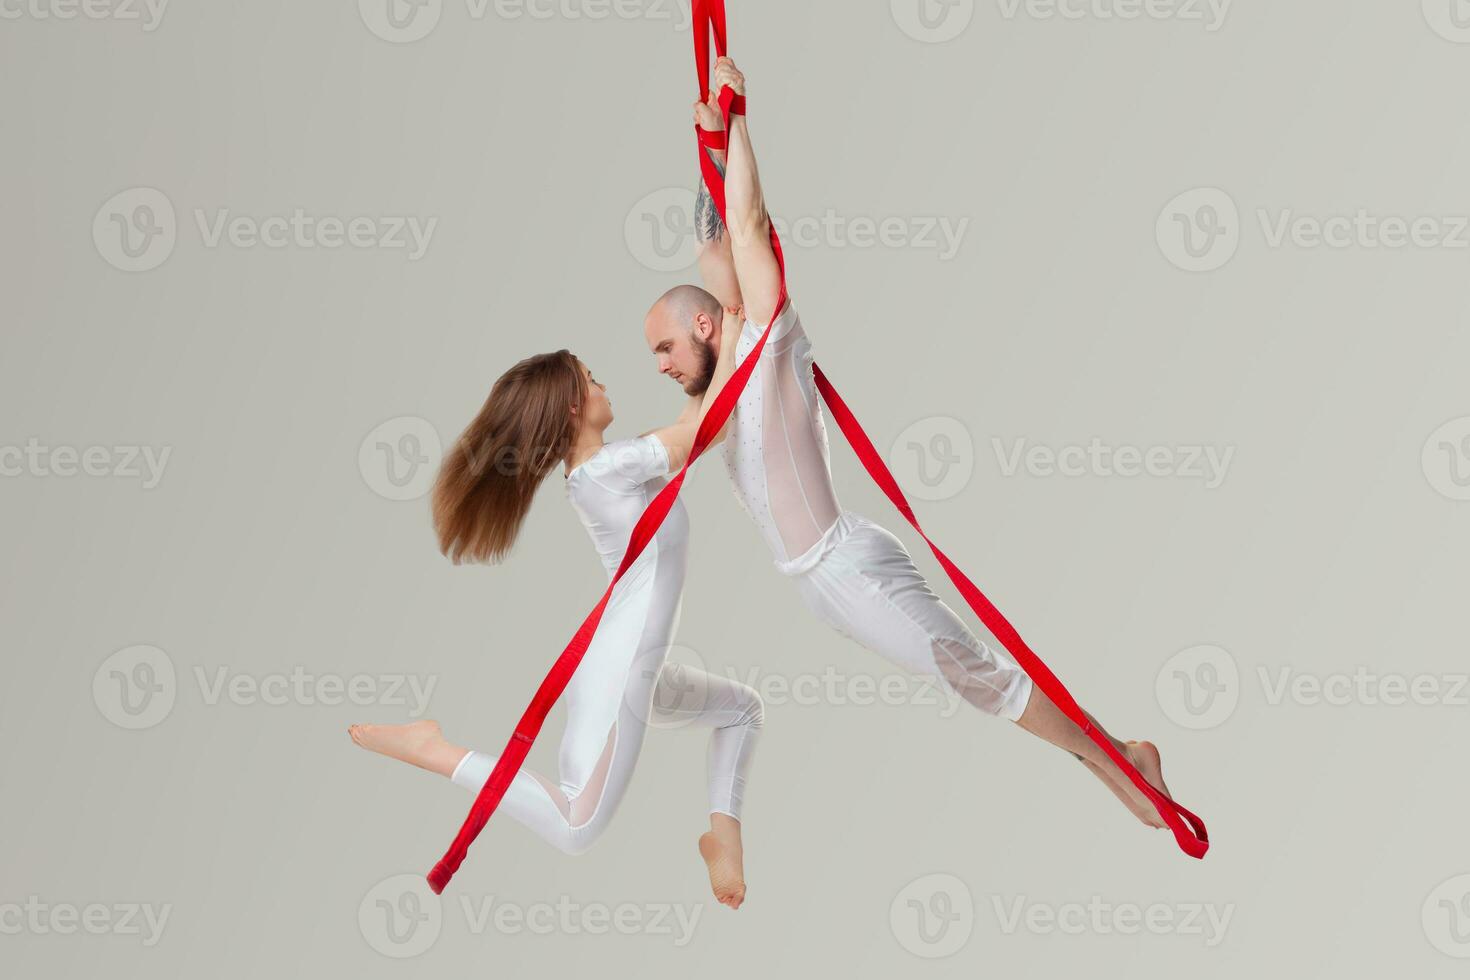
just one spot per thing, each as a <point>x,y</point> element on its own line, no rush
<point>419,743</point>
<point>724,857</point>
<point>1145,758</point>
<point>1134,801</point>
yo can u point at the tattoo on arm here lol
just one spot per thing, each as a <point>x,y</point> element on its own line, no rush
<point>707,223</point>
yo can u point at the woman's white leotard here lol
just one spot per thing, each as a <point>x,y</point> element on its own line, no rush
<point>623,680</point>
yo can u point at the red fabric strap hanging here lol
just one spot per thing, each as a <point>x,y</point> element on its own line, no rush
<point>1189,830</point>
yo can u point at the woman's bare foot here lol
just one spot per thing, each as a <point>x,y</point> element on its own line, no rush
<point>419,743</point>
<point>724,856</point>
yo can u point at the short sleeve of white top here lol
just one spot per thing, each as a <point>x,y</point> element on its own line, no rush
<point>624,466</point>
<point>611,489</point>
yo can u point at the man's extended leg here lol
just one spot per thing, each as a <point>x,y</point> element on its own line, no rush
<point>868,589</point>
<point>1045,720</point>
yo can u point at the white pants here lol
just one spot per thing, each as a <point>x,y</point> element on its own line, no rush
<point>621,686</point>
<point>860,580</point>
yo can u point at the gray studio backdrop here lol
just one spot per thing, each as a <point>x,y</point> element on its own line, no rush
<point>1159,307</point>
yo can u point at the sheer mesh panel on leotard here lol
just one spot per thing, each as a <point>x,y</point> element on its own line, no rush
<point>572,815</point>
<point>777,450</point>
<point>623,680</point>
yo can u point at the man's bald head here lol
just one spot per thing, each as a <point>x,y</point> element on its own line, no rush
<point>682,329</point>
<point>682,304</point>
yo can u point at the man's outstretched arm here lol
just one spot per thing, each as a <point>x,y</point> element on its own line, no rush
<point>748,224</point>
<point>716,264</point>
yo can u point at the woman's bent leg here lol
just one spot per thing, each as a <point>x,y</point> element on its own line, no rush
<point>734,713</point>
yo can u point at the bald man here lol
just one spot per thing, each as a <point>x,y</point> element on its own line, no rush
<point>852,574</point>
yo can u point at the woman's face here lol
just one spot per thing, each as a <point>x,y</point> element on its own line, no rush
<point>597,412</point>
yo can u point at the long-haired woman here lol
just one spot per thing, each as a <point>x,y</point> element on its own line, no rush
<point>548,411</point>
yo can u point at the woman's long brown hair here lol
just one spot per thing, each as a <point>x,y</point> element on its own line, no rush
<point>487,482</point>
